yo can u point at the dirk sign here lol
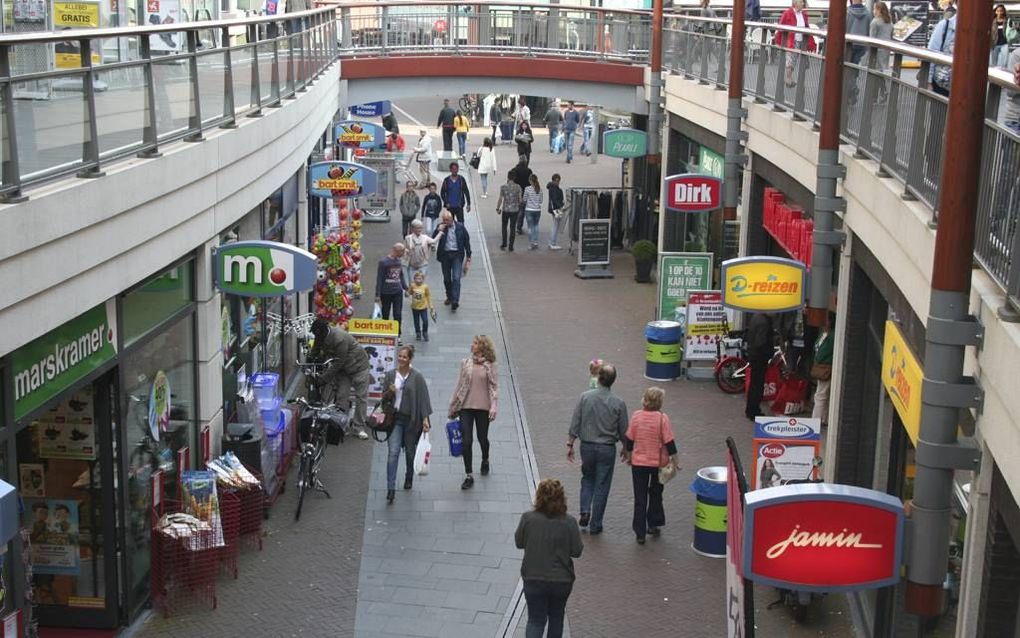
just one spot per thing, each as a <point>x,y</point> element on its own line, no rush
<point>264,269</point>
<point>693,193</point>
<point>822,537</point>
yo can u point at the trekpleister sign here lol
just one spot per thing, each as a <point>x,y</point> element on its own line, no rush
<point>341,179</point>
<point>763,284</point>
<point>264,269</point>
<point>358,134</point>
<point>822,537</point>
<point>625,143</point>
<point>693,193</point>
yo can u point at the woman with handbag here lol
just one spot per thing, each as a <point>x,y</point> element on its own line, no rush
<point>474,402</point>
<point>486,165</point>
<point>409,417</point>
<point>524,138</point>
<point>651,448</point>
<point>821,372</point>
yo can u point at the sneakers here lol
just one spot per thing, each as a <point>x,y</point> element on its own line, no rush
<point>502,246</point>
<point>485,468</point>
<point>390,495</point>
<point>484,196</point>
<point>468,483</point>
<point>361,433</point>
<point>417,337</point>
<point>408,483</point>
<point>454,306</point>
<point>425,337</point>
<point>555,247</point>
<point>655,531</point>
<point>533,247</point>
<point>585,517</point>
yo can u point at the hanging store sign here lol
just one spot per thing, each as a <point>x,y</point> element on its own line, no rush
<point>678,274</point>
<point>711,163</point>
<point>159,405</point>
<point>357,134</point>
<point>693,193</point>
<point>902,377</point>
<point>822,537</point>
<point>264,269</point>
<point>341,179</point>
<point>59,359</point>
<point>763,284</point>
<point>625,143</point>
<point>371,109</point>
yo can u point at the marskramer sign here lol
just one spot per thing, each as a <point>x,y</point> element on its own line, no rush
<point>60,358</point>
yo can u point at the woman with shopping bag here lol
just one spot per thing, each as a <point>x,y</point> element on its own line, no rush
<point>650,446</point>
<point>412,409</point>
<point>474,402</point>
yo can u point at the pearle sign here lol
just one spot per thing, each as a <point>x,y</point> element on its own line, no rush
<point>822,537</point>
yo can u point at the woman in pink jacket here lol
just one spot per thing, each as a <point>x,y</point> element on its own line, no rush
<point>650,444</point>
<point>475,400</point>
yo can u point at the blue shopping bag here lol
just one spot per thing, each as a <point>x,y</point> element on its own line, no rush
<point>455,437</point>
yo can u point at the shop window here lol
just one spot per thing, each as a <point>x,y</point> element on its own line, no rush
<point>159,439</point>
<point>158,299</point>
<point>6,600</point>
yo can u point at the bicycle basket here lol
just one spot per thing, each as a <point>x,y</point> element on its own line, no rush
<point>334,433</point>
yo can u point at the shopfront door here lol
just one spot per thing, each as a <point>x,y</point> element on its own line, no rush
<point>67,479</point>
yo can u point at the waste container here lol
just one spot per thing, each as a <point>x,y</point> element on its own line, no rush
<point>663,350</point>
<point>710,512</point>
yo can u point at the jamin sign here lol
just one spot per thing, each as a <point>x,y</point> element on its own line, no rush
<point>693,193</point>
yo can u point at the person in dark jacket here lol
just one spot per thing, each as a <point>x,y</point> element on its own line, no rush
<point>522,177</point>
<point>551,540</point>
<point>455,193</point>
<point>349,370</point>
<point>556,209</point>
<point>412,411</point>
<point>524,137</point>
<point>389,122</point>
<point>454,254</point>
<point>759,343</point>
<point>495,117</point>
<point>445,122</point>
<point>752,10</point>
<point>431,206</point>
<point>390,284</point>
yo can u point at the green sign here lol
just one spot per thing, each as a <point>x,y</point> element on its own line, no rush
<point>711,163</point>
<point>679,273</point>
<point>264,269</point>
<point>59,359</point>
<point>625,143</point>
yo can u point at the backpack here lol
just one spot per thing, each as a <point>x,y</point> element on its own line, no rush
<point>943,75</point>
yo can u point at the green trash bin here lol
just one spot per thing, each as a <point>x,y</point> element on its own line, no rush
<point>710,512</point>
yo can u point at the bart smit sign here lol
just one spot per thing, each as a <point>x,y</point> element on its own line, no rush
<point>264,269</point>
<point>763,284</point>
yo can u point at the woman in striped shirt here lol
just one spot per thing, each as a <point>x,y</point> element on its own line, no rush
<point>533,210</point>
<point>650,444</point>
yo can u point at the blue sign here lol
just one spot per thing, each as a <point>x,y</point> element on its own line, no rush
<point>358,134</point>
<point>372,109</point>
<point>341,179</point>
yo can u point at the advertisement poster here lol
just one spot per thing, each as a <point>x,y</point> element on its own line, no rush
<point>164,12</point>
<point>680,273</point>
<point>73,15</point>
<point>159,405</point>
<point>594,236</point>
<point>707,323</point>
<point>33,480</point>
<point>910,22</point>
<point>54,534</point>
<point>379,339</point>
<point>341,179</point>
<point>786,449</point>
<point>67,440</point>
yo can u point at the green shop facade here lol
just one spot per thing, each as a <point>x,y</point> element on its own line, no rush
<point>96,416</point>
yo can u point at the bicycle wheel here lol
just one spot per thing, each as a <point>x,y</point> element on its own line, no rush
<point>303,484</point>
<point>729,376</point>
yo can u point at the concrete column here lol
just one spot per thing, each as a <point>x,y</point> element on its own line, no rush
<point>302,227</point>
<point>838,353</point>
<point>969,606</point>
<point>210,348</point>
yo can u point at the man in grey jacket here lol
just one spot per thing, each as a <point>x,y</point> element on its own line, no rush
<point>553,119</point>
<point>858,21</point>
<point>600,421</point>
<point>350,369</point>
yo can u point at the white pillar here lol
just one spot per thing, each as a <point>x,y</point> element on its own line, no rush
<point>210,350</point>
<point>838,352</point>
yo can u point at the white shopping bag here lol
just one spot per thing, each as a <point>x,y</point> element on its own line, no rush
<point>377,312</point>
<point>423,455</point>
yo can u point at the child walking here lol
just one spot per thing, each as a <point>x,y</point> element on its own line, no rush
<point>593,371</point>
<point>421,306</point>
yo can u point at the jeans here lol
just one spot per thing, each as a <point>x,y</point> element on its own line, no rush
<point>431,223</point>
<point>394,302</point>
<point>648,510</point>
<point>597,462</point>
<point>555,231</point>
<point>457,212</point>
<point>447,138</point>
<point>421,321</point>
<point>426,177</point>
<point>759,363</point>
<point>453,269</point>
<point>469,420</point>
<point>533,217</point>
<point>547,602</point>
<point>521,218</point>
<point>553,130</point>
<point>509,220</point>
<point>586,140</point>
<point>393,445</point>
<point>462,143</point>
<point>484,177</point>
<point>341,394</point>
<point>999,56</point>
<point>568,142</point>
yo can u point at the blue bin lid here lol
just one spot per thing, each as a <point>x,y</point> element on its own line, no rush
<point>263,379</point>
<point>710,483</point>
<point>668,331</point>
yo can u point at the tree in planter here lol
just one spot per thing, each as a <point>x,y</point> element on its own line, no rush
<point>644,253</point>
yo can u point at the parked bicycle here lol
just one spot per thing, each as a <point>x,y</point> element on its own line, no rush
<point>732,367</point>
<point>320,424</point>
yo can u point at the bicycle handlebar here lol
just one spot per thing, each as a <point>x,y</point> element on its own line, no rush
<point>311,406</point>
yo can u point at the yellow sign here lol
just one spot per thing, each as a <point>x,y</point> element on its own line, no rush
<point>902,376</point>
<point>75,15</point>
<point>338,184</point>
<point>763,284</point>
<point>354,138</point>
<point>372,326</point>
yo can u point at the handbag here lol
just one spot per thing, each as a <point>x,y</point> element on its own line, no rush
<point>475,161</point>
<point>821,371</point>
<point>455,436</point>
<point>666,473</point>
<point>523,138</point>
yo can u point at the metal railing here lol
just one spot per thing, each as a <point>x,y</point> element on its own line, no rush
<point>540,30</point>
<point>174,82</point>
<point>891,114</point>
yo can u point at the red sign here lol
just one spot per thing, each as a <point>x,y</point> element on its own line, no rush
<point>821,537</point>
<point>693,193</point>
<point>440,26</point>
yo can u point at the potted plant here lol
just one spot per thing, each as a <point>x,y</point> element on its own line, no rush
<point>644,253</point>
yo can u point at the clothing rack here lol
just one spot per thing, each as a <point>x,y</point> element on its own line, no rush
<point>626,207</point>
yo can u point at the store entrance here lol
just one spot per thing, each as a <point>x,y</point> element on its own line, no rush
<point>66,470</point>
